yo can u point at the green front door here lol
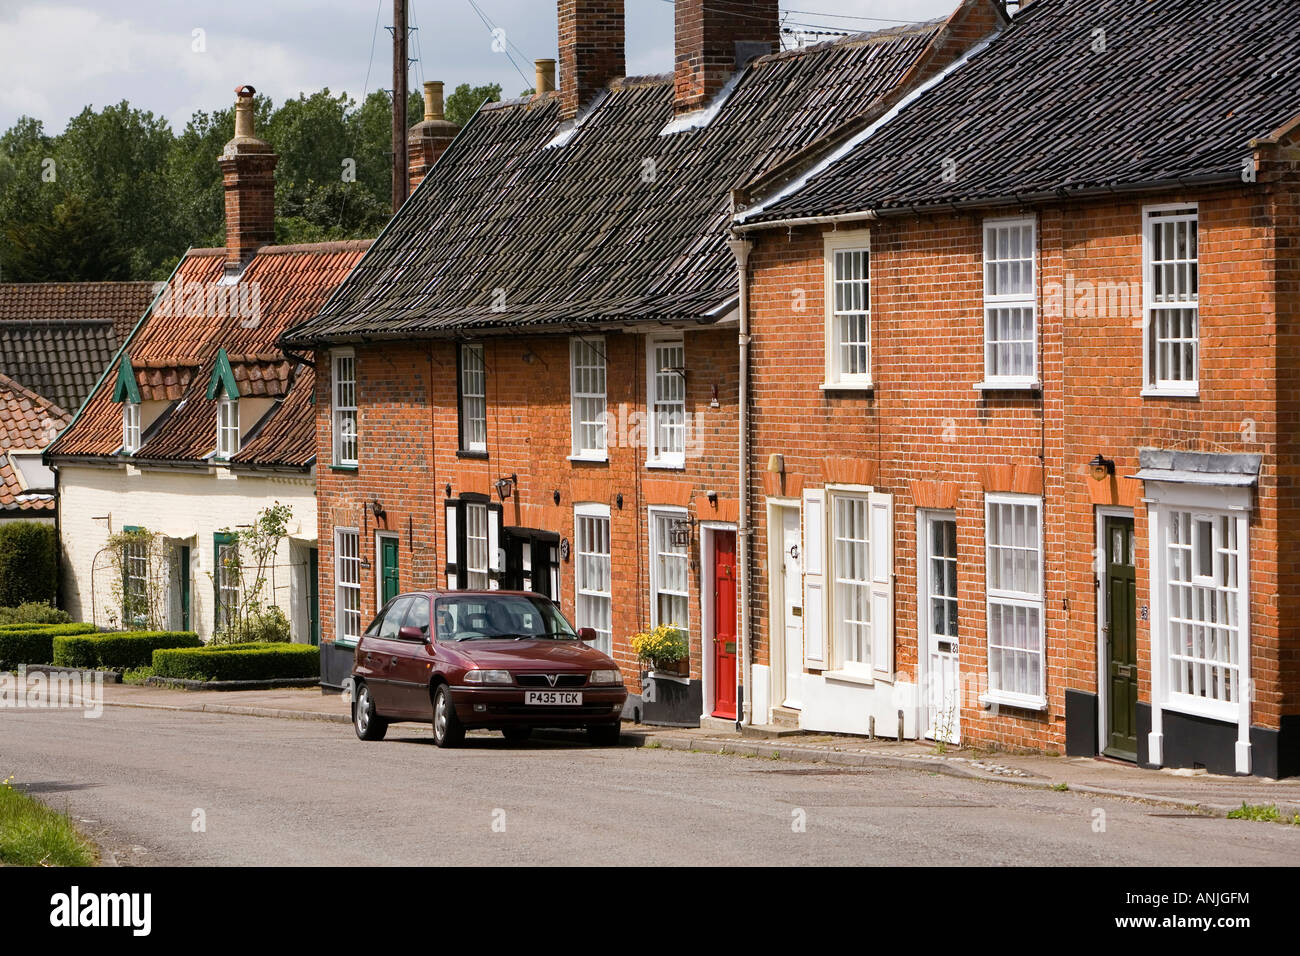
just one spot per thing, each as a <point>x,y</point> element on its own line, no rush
<point>1121,639</point>
<point>313,589</point>
<point>183,569</point>
<point>388,568</point>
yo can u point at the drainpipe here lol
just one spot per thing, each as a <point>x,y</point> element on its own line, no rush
<point>740,248</point>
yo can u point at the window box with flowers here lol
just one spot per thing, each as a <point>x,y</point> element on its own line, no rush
<point>668,696</point>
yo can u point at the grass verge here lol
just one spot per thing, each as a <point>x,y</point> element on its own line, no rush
<point>31,834</point>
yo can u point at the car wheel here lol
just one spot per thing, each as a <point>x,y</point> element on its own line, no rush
<point>365,719</point>
<point>447,728</point>
<point>516,735</point>
<point>605,735</point>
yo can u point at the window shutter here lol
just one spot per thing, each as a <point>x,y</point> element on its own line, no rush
<point>814,577</point>
<point>882,585</point>
<point>494,546</point>
<point>453,546</point>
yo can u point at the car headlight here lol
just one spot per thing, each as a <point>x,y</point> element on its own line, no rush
<point>605,677</point>
<point>488,677</point>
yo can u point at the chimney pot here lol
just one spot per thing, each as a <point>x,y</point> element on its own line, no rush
<point>545,76</point>
<point>433,109</point>
<point>429,139</point>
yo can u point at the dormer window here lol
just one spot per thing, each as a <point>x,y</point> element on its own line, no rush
<point>227,428</point>
<point>130,427</point>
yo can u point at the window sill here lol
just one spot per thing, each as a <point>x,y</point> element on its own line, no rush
<point>1019,701</point>
<point>664,675</point>
<point>666,465</point>
<point>849,677</point>
<point>350,643</point>
<point>1150,392</point>
<point>344,468</point>
<point>1009,386</point>
<point>847,386</point>
<point>475,455</point>
<point>590,459</point>
<point>1228,713</point>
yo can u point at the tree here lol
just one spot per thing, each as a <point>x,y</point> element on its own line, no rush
<point>80,242</point>
<point>465,101</point>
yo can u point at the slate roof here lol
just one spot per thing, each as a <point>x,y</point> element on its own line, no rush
<point>27,423</point>
<point>1178,93</point>
<point>617,225</point>
<point>121,303</point>
<point>174,352</point>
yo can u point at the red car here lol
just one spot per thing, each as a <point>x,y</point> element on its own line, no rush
<point>502,660</point>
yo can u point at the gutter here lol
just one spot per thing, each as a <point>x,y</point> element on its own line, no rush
<point>865,215</point>
<point>740,248</point>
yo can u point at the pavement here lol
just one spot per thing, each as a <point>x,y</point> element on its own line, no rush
<point>1196,791</point>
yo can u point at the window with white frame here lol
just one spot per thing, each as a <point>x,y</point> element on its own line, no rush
<point>136,584</point>
<point>130,427</point>
<point>1171,299</point>
<point>476,546</point>
<point>227,427</point>
<point>848,318</point>
<point>345,407</point>
<point>473,399</point>
<point>228,568</point>
<point>669,574</point>
<point>1010,303</point>
<point>587,380</point>
<point>1014,592</point>
<point>851,573</point>
<point>594,605</point>
<point>667,388</point>
<point>347,581</point>
<point>1200,564</point>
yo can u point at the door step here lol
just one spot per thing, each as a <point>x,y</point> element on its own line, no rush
<point>785,717</point>
<point>769,731</point>
<point>719,725</point>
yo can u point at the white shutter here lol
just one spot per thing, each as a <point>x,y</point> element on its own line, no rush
<point>814,578</point>
<point>453,578</point>
<point>882,585</point>
<point>495,554</point>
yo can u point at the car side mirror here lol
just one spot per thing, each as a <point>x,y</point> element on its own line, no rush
<point>587,634</point>
<point>411,634</point>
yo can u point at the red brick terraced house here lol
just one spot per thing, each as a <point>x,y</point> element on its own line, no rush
<point>1024,403</point>
<point>531,380</point>
<point>201,421</point>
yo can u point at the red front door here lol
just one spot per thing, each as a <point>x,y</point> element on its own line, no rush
<point>724,624</point>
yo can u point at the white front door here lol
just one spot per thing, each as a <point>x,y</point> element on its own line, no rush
<point>938,619</point>
<point>792,574</point>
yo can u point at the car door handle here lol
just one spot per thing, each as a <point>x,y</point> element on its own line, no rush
<point>392,661</point>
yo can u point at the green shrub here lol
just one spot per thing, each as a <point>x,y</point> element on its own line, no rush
<point>34,643</point>
<point>239,662</point>
<point>118,651</point>
<point>33,612</point>
<point>259,625</point>
<point>29,563</point>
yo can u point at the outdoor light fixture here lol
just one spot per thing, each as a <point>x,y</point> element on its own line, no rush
<point>377,509</point>
<point>680,533</point>
<point>1102,468</point>
<point>713,497</point>
<point>674,369</point>
<point>505,485</point>
<point>618,500</point>
<point>447,489</point>
<point>555,496</point>
<point>776,464</point>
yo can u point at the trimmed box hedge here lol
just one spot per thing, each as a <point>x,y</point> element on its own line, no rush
<point>116,651</point>
<point>239,662</point>
<point>34,643</point>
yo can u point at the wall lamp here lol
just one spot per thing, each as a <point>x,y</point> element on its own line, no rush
<point>1101,468</point>
<point>377,509</point>
<point>776,464</point>
<point>505,486</point>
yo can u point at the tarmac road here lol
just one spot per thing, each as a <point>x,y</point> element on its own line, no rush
<point>289,792</point>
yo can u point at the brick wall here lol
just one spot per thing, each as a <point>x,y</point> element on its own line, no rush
<point>408,451</point>
<point>592,34</point>
<point>929,438</point>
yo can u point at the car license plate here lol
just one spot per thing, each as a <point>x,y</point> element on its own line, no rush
<point>554,698</point>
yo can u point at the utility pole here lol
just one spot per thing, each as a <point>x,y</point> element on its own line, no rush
<point>400,67</point>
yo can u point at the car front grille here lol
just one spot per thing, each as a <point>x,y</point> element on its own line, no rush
<point>542,681</point>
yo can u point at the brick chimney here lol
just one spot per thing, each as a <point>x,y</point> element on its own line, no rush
<point>430,137</point>
<point>591,50</point>
<point>715,38</point>
<point>248,173</point>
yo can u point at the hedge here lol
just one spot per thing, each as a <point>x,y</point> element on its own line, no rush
<point>33,612</point>
<point>239,662</point>
<point>29,563</point>
<point>34,643</point>
<point>118,651</point>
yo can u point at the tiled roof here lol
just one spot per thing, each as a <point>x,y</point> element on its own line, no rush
<point>61,360</point>
<point>1078,96</point>
<point>120,303</point>
<point>27,423</point>
<point>174,353</point>
<point>618,224</point>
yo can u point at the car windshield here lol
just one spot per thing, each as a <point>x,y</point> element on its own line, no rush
<point>477,617</point>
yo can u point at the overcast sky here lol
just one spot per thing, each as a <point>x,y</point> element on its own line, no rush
<point>57,57</point>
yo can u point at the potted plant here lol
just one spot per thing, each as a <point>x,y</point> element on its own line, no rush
<point>664,648</point>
